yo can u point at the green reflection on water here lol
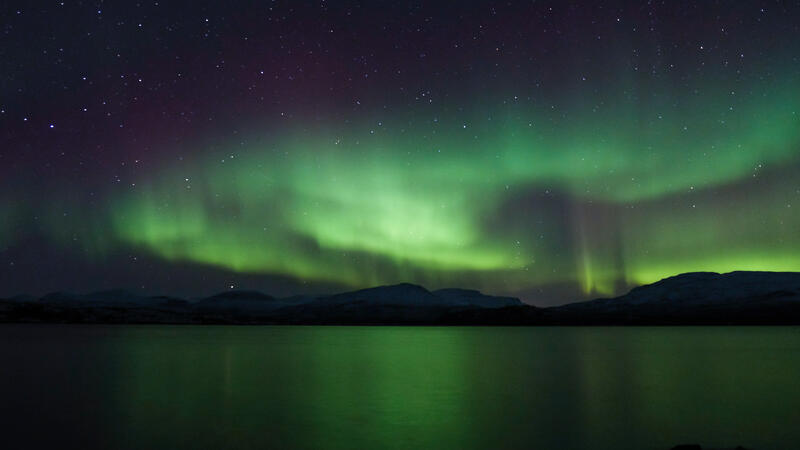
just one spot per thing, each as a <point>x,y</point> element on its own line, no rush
<point>429,387</point>
<point>305,387</point>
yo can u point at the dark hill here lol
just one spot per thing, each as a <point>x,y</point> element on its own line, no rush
<point>698,297</point>
<point>691,298</point>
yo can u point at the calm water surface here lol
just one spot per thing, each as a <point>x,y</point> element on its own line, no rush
<point>159,387</point>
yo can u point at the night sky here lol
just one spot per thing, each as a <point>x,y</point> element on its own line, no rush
<point>548,150</point>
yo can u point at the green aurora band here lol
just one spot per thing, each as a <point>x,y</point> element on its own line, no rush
<point>598,195</point>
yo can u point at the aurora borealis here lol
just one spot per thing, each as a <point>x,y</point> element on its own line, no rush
<point>544,150</point>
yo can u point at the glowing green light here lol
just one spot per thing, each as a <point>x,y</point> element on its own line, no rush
<point>443,204</point>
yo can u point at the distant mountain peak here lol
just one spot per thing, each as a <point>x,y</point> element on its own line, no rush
<point>700,294</point>
<point>691,298</point>
<point>396,294</point>
<point>241,295</point>
<point>458,291</point>
<point>407,294</point>
<point>399,287</point>
<point>713,287</point>
<point>477,298</point>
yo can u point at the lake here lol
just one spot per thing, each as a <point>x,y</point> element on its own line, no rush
<point>219,387</point>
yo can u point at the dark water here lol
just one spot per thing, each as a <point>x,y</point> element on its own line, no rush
<point>154,387</point>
